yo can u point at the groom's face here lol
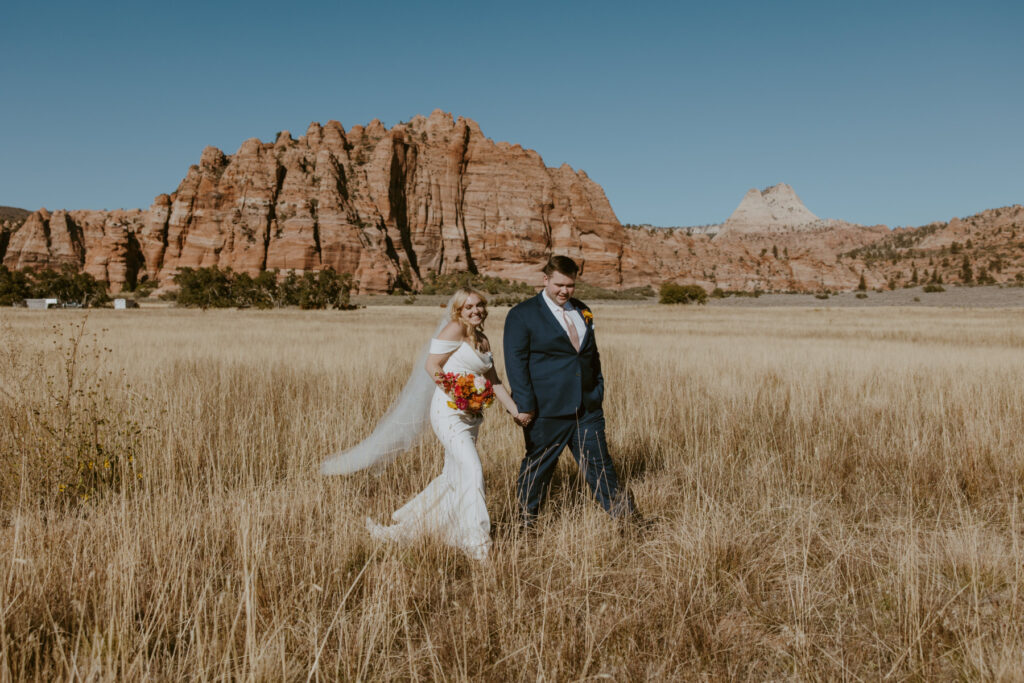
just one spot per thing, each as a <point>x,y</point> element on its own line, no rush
<point>559,287</point>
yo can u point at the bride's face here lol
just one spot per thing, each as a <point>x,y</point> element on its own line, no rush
<point>473,311</point>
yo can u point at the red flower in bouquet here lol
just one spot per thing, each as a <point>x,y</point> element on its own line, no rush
<point>468,393</point>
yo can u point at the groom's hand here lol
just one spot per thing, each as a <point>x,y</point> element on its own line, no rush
<point>524,419</point>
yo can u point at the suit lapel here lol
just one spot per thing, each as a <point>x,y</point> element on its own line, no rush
<point>553,325</point>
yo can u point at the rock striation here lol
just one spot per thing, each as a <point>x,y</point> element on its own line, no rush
<point>100,243</point>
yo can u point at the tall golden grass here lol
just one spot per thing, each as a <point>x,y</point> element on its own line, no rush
<point>832,494</point>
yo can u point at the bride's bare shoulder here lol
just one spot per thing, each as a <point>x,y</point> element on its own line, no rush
<point>451,332</point>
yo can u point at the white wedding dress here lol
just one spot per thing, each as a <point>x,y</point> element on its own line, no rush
<point>452,506</point>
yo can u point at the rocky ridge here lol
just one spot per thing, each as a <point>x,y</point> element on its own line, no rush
<point>434,195</point>
<point>389,206</point>
<point>986,248</point>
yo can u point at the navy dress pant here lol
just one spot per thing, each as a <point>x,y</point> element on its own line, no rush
<point>583,433</point>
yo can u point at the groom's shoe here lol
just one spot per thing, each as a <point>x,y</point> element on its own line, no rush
<point>528,525</point>
<point>625,511</point>
<point>623,507</point>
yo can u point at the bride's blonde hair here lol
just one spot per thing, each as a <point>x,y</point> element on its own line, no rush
<point>456,303</point>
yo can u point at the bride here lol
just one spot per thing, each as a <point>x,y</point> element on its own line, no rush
<point>451,507</point>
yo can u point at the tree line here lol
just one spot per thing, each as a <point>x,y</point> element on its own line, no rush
<point>215,287</point>
<point>211,287</point>
<point>66,285</point>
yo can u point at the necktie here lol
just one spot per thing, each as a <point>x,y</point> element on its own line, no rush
<point>574,336</point>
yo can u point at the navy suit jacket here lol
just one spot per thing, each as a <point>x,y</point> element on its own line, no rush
<point>545,372</point>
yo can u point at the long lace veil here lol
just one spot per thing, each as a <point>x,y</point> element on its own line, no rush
<point>401,425</point>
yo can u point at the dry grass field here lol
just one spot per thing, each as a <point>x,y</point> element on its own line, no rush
<point>832,494</point>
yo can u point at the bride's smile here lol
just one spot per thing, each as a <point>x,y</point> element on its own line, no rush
<point>474,311</point>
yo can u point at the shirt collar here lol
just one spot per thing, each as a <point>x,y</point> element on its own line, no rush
<point>553,305</point>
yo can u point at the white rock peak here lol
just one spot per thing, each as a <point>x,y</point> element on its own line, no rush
<point>775,209</point>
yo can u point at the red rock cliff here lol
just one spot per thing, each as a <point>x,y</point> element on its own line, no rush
<point>436,195</point>
<point>432,194</point>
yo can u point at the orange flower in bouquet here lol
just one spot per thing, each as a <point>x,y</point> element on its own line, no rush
<point>468,393</point>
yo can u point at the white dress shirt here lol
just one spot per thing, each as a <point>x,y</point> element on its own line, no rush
<point>574,316</point>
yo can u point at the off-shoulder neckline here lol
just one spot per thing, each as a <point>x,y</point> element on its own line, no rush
<point>463,341</point>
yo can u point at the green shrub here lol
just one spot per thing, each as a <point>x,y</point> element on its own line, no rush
<point>222,288</point>
<point>204,287</point>
<point>861,295</point>
<point>67,285</point>
<point>588,292</point>
<point>933,287</point>
<point>320,290</point>
<point>14,286</point>
<point>447,283</point>
<point>672,293</point>
<point>145,288</point>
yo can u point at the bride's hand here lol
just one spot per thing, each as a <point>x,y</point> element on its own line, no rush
<point>523,419</point>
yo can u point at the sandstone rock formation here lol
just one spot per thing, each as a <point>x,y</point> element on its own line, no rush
<point>11,219</point>
<point>774,209</point>
<point>101,243</point>
<point>389,206</point>
<point>434,194</point>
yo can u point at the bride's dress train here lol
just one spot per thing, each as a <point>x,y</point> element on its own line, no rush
<point>452,506</point>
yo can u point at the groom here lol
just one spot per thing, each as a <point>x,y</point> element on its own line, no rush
<point>554,371</point>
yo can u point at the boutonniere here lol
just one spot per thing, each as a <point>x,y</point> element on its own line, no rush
<point>588,317</point>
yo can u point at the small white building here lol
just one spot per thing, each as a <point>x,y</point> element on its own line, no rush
<point>42,303</point>
<point>122,304</point>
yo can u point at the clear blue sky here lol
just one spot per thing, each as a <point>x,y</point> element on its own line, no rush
<point>875,112</point>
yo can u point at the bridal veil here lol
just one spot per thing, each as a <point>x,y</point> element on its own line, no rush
<point>401,425</point>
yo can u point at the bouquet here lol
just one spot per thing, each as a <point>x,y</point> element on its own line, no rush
<point>468,393</point>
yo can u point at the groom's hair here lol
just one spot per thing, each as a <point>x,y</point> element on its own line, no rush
<point>563,264</point>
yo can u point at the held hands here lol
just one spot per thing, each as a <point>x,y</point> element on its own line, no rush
<point>523,419</point>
